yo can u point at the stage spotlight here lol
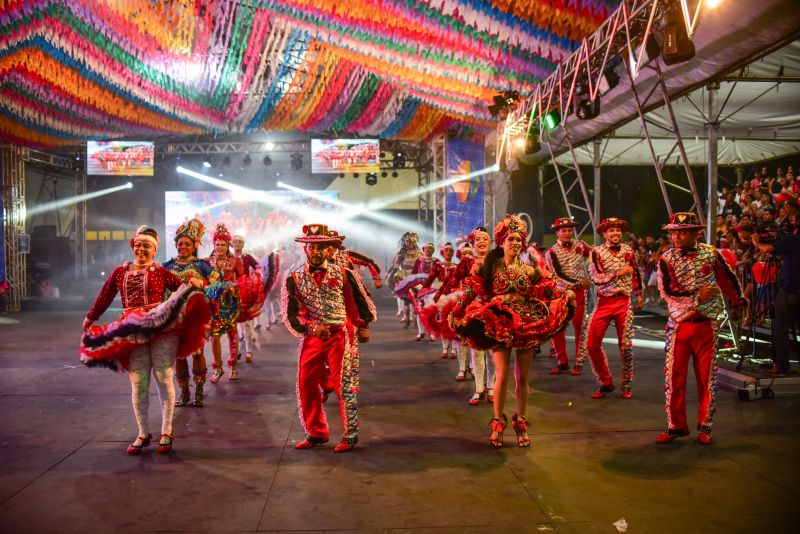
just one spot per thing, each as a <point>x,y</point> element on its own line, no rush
<point>520,142</point>
<point>383,155</point>
<point>207,164</point>
<point>384,174</point>
<point>247,161</point>
<point>399,160</point>
<point>226,161</point>
<point>588,109</point>
<point>394,174</point>
<point>651,51</point>
<point>356,175</point>
<point>581,86</point>
<point>711,4</point>
<point>530,146</point>
<point>269,146</point>
<point>297,162</point>
<point>552,119</point>
<point>267,161</point>
<point>371,178</point>
<point>610,78</point>
<point>129,185</point>
<point>504,103</point>
<point>678,48</point>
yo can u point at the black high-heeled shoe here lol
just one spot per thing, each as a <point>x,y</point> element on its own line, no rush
<point>133,449</point>
<point>498,425</point>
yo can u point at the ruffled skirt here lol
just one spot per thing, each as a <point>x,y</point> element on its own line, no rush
<point>186,314</point>
<point>252,295</point>
<point>225,306</point>
<point>506,322</point>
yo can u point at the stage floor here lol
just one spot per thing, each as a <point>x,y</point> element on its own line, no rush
<point>423,463</point>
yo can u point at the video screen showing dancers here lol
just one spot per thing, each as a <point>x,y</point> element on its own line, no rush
<point>120,158</point>
<point>333,156</point>
<point>267,219</point>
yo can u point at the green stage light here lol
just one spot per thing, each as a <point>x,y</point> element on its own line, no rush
<point>552,119</point>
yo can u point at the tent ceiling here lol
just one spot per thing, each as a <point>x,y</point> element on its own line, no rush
<point>87,69</point>
<point>760,120</point>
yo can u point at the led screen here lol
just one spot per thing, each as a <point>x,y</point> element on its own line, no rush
<point>120,158</point>
<point>267,219</point>
<point>333,156</point>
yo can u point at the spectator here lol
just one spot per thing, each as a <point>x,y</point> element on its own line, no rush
<point>731,207</point>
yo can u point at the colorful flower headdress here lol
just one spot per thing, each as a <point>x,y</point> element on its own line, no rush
<point>510,224</point>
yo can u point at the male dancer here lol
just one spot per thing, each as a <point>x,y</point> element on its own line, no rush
<point>614,270</point>
<point>245,329</point>
<point>691,278</point>
<point>566,260</point>
<point>326,307</point>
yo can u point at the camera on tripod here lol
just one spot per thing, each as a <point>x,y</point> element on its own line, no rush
<point>768,233</point>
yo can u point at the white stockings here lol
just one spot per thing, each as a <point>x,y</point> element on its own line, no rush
<point>157,357</point>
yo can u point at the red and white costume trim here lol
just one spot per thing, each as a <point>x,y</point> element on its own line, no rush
<point>567,264</point>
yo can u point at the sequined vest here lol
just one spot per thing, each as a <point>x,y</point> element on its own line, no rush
<point>689,273</point>
<point>610,262</point>
<point>324,303</point>
<point>572,261</point>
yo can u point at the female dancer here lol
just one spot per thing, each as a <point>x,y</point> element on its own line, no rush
<point>427,308</point>
<point>468,265</point>
<point>252,293</point>
<point>401,267</point>
<point>227,268</point>
<point>519,311</point>
<point>187,266</point>
<point>422,269</point>
<point>150,334</point>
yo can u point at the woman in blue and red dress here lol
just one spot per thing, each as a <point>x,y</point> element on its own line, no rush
<point>517,308</point>
<point>227,268</point>
<point>186,265</point>
<point>150,334</point>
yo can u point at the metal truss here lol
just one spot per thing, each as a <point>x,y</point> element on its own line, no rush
<point>439,148</point>
<point>233,147</point>
<point>13,182</point>
<point>621,35</point>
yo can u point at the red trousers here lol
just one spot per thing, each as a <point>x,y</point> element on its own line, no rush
<point>684,341</point>
<point>560,339</point>
<point>618,309</point>
<point>311,372</point>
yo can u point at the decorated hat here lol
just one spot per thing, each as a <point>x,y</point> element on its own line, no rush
<point>316,233</point>
<point>612,222</point>
<point>683,220</point>
<point>221,232</point>
<point>193,229</point>
<point>339,238</point>
<point>511,223</point>
<point>429,245</point>
<point>145,233</point>
<point>563,222</point>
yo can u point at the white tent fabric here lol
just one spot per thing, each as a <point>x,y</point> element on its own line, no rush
<point>760,120</point>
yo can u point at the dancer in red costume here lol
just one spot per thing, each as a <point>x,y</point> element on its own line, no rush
<point>692,277</point>
<point>187,266</point>
<point>566,260</point>
<point>150,334</point>
<point>614,270</point>
<point>453,287</point>
<point>255,284</point>
<point>327,308</point>
<point>427,307</point>
<point>228,268</point>
<point>516,309</point>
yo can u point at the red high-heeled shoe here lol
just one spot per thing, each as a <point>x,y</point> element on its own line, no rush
<point>133,450</point>
<point>498,424</point>
<point>520,424</point>
<point>164,448</point>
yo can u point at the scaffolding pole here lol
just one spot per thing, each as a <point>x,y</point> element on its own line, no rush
<point>596,193</point>
<point>711,130</point>
<point>439,194</point>
<point>12,167</point>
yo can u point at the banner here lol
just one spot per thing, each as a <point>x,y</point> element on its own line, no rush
<point>464,200</point>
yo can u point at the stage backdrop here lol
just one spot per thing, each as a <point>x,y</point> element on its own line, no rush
<point>464,199</point>
<point>267,219</point>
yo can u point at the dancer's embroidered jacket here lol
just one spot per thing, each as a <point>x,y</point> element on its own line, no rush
<point>329,295</point>
<point>568,264</point>
<point>196,268</point>
<point>681,275</point>
<point>604,261</point>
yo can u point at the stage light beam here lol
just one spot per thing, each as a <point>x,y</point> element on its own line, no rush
<point>70,201</point>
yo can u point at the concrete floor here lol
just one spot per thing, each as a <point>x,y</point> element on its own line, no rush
<point>423,463</point>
